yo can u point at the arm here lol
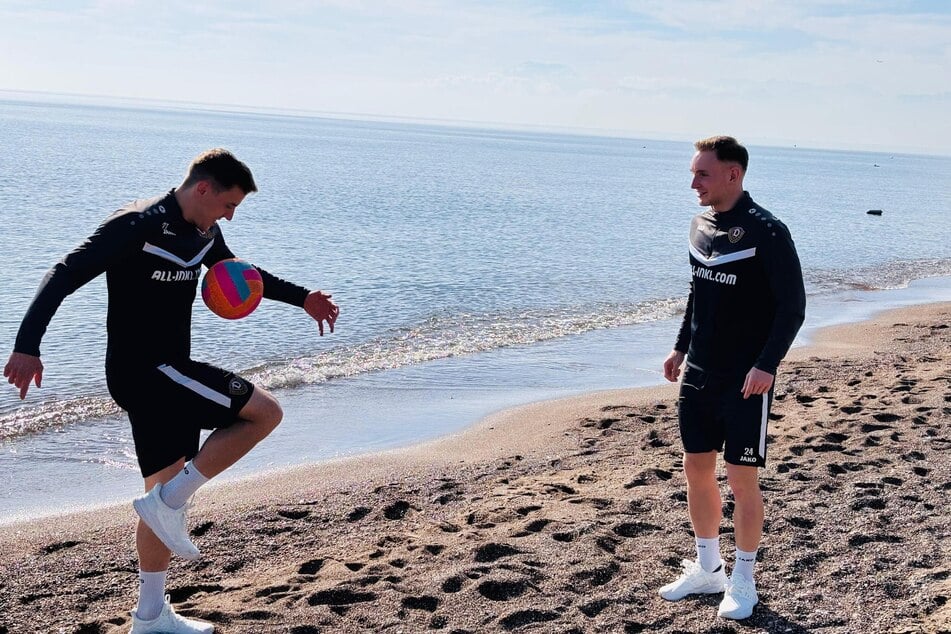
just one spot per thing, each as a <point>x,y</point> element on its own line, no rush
<point>80,266</point>
<point>784,274</point>
<point>785,280</point>
<point>676,357</point>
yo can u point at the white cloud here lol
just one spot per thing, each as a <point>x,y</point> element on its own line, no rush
<point>777,68</point>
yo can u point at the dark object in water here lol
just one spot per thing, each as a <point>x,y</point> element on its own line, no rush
<point>874,212</point>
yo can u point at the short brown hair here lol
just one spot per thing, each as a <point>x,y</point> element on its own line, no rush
<point>221,168</point>
<point>728,149</point>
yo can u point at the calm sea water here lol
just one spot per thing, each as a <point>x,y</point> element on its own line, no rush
<point>475,268</point>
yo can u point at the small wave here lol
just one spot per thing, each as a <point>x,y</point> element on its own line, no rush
<point>454,335</point>
<point>29,420</point>
<point>891,275</point>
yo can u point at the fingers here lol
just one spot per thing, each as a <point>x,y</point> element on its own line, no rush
<point>671,373</point>
<point>21,369</point>
<point>22,381</point>
<point>322,309</point>
<point>749,386</point>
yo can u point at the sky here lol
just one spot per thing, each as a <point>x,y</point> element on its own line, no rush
<point>839,74</point>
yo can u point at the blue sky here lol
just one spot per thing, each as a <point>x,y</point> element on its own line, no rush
<point>821,73</point>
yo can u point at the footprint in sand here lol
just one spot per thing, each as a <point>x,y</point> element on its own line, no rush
<point>649,476</point>
<point>340,596</point>
<point>57,546</point>
<point>493,552</point>
<point>293,514</point>
<point>595,576</point>
<point>634,529</point>
<point>594,608</point>
<point>426,602</point>
<point>522,618</point>
<point>859,540</point>
<point>397,510</point>
<point>184,593</point>
<point>537,526</point>
<point>311,567</point>
<point>453,584</point>
<point>502,590</point>
<point>358,514</point>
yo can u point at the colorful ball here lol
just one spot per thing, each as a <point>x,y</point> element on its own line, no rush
<point>232,288</point>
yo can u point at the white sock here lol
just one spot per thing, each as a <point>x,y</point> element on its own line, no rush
<point>708,553</point>
<point>176,491</point>
<point>744,564</point>
<point>151,595</point>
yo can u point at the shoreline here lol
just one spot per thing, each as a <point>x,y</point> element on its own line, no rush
<point>365,416</point>
<point>583,492</point>
<point>468,443</point>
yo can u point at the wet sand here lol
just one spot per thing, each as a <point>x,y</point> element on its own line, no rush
<point>564,516</point>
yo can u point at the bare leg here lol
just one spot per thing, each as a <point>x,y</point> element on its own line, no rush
<point>703,493</point>
<point>748,514</point>
<point>221,450</point>
<point>227,445</point>
<point>154,556</point>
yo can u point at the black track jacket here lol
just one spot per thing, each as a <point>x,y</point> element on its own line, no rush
<point>747,299</point>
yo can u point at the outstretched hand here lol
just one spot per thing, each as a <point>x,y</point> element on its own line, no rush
<point>319,306</point>
<point>21,369</point>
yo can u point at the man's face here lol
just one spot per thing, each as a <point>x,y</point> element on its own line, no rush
<point>714,181</point>
<point>215,205</point>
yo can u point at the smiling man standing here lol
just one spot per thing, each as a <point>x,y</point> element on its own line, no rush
<point>152,252</point>
<point>746,304</point>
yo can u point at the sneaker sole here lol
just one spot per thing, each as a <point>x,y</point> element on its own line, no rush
<point>684,596</point>
<point>145,516</point>
<point>737,617</point>
<point>734,617</point>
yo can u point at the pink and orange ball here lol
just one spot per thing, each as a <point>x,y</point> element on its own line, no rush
<point>232,288</point>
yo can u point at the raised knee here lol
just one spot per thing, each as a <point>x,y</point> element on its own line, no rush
<point>265,413</point>
<point>274,414</point>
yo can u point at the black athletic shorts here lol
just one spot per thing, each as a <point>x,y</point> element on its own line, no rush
<point>170,404</point>
<point>714,416</point>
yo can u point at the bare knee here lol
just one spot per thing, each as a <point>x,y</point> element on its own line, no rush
<point>744,483</point>
<point>272,415</point>
<point>700,468</point>
<point>263,411</point>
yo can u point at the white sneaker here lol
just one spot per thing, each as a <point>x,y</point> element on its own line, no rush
<point>168,524</point>
<point>739,599</point>
<point>694,580</point>
<point>169,623</point>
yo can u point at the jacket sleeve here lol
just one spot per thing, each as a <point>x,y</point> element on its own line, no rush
<point>785,281</point>
<point>111,241</point>
<point>683,337</point>
<point>275,287</point>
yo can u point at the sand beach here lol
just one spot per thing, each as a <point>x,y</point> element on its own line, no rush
<point>562,516</point>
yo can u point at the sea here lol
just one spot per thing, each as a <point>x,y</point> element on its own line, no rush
<point>476,269</point>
